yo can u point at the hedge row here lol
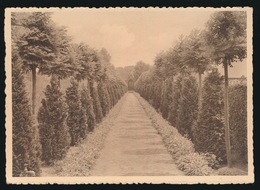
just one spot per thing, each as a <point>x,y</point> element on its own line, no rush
<point>181,148</point>
<point>79,160</point>
<point>67,123</point>
<point>177,100</point>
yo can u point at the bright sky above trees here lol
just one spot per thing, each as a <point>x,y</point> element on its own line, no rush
<point>131,35</point>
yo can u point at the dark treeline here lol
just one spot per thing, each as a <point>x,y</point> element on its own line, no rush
<point>187,89</point>
<point>64,118</point>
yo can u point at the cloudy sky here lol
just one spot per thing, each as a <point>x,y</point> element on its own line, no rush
<point>131,35</point>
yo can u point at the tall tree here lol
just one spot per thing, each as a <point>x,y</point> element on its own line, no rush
<point>64,64</point>
<point>226,38</point>
<point>54,132</point>
<point>195,56</point>
<point>26,146</point>
<point>139,68</point>
<point>86,59</point>
<point>36,46</point>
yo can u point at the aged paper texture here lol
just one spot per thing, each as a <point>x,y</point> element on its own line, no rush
<point>129,95</point>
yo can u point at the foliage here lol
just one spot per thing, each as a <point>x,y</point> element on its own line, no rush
<point>36,46</point>
<point>26,147</point>
<point>54,134</point>
<point>139,68</point>
<point>225,36</point>
<point>80,160</point>
<point>174,105</point>
<point>181,148</point>
<point>63,66</point>
<point>85,59</point>
<point>188,106</point>
<point>75,115</point>
<point>124,72</point>
<point>194,164</point>
<point>167,90</point>
<point>45,48</point>
<point>212,160</point>
<point>87,106</point>
<point>209,132</point>
<point>96,103</point>
<point>238,121</point>
<point>104,98</point>
<point>194,54</point>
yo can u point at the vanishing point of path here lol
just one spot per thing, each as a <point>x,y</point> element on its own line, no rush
<point>133,147</point>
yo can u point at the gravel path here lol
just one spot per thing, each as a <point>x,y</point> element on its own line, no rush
<point>133,147</point>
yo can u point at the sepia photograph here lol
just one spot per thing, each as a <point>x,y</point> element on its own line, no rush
<point>129,95</point>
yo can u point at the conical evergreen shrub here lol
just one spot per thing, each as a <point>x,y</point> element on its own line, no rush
<point>25,138</point>
<point>96,103</point>
<point>174,105</point>
<point>166,97</point>
<point>54,134</point>
<point>110,104</point>
<point>87,105</point>
<point>209,132</point>
<point>238,121</point>
<point>111,95</point>
<point>104,98</point>
<point>188,106</point>
<point>75,114</point>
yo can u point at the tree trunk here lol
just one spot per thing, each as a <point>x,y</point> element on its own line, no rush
<point>226,114</point>
<point>33,89</point>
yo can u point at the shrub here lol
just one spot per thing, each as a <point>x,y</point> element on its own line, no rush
<point>79,160</point>
<point>75,115</point>
<point>25,138</point>
<point>87,105</point>
<point>54,134</point>
<point>181,148</point>
<point>96,103</point>
<point>209,132</point>
<point>174,105</point>
<point>104,98</point>
<point>111,95</point>
<point>212,160</point>
<point>166,97</point>
<point>188,106</point>
<point>194,164</point>
<point>238,121</point>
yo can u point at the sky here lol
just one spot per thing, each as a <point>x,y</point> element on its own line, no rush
<point>131,35</point>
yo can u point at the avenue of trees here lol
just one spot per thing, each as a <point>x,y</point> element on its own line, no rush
<point>187,89</point>
<point>65,117</point>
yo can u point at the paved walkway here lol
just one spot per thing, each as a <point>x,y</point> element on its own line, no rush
<point>133,147</point>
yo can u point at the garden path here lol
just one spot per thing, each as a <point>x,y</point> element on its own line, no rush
<point>133,147</point>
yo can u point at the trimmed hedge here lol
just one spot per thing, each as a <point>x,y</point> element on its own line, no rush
<point>26,148</point>
<point>79,160</point>
<point>54,132</point>
<point>181,148</point>
<point>194,164</point>
<point>238,122</point>
<point>74,119</point>
<point>209,133</point>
